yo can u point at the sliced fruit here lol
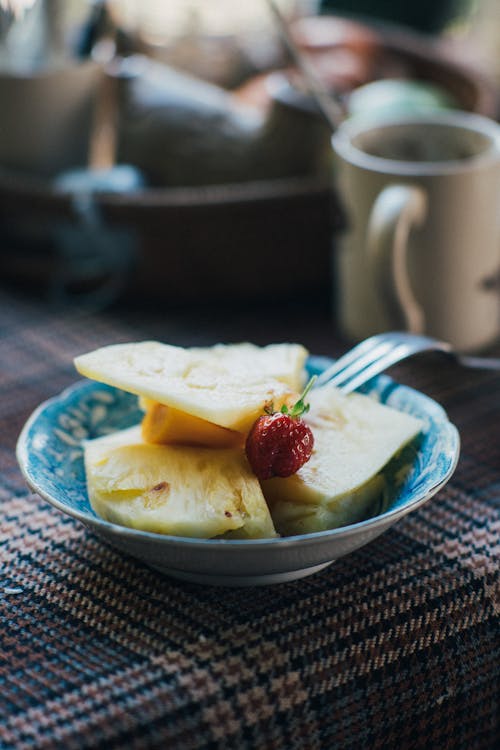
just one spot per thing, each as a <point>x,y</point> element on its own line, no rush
<point>283,362</point>
<point>302,518</point>
<point>195,492</point>
<point>165,425</point>
<point>354,438</point>
<point>224,385</point>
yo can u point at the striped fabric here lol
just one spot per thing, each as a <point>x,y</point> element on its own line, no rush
<point>395,646</point>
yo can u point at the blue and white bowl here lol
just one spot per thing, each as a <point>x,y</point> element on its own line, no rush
<point>50,455</point>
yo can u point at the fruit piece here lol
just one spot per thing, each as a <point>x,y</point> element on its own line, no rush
<point>277,445</point>
<point>354,438</point>
<point>227,386</point>
<point>195,492</point>
<point>281,442</point>
<point>168,426</point>
<point>283,362</point>
<point>303,518</point>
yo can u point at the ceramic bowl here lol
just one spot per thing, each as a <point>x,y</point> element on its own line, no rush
<point>50,455</point>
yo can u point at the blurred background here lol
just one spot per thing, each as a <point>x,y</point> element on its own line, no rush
<point>170,153</point>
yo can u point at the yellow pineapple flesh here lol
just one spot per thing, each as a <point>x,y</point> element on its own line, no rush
<point>165,425</point>
<point>226,385</point>
<point>354,438</point>
<point>183,491</point>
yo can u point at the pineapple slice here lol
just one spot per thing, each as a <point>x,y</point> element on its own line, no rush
<point>228,386</point>
<point>194,492</point>
<point>354,438</point>
<point>283,362</point>
<point>164,425</point>
<point>302,518</point>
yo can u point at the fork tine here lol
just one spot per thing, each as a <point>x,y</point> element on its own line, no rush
<point>360,364</point>
<point>395,354</point>
<point>346,359</point>
<point>379,352</point>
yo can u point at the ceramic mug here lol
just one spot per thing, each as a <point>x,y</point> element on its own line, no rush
<point>421,251</point>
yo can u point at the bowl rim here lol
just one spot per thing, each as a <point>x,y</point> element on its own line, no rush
<point>384,519</point>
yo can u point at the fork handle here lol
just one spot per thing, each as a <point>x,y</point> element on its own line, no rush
<point>397,209</point>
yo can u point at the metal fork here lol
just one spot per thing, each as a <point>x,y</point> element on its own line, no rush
<point>376,354</point>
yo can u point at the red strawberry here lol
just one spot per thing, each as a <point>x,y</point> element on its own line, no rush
<point>279,443</point>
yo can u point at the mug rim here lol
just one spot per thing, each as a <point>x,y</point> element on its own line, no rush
<point>343,145</point>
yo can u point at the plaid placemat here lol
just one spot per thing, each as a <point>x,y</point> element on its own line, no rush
<point>394,646</point>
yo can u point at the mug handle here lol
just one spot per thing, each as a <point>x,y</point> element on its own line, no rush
<point>396,210</point>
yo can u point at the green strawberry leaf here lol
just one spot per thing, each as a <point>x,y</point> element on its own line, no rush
<point>300,407</point>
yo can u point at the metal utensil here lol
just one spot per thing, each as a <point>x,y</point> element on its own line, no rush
<point>377,353</point>
<point>331,108</point>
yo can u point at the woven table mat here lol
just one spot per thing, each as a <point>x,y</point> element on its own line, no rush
<point>394,646</point>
